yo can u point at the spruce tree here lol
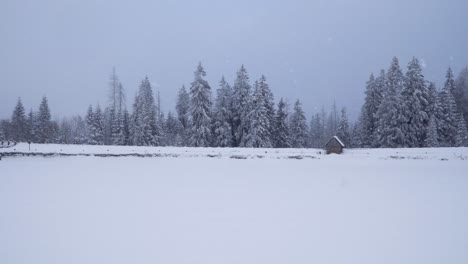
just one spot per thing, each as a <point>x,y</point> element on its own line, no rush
<point>183,113</point>
<point>241,107</point>
<point>449,117</point>
<point>461,134</point>
<point>145,129</point>
<point>98,126</point>
<point>316,132</point>
<point>389,131</point>
<point>461,92</point>
<point>258,135</point>
<point>44,123</point>
<point>372,101</point>
<point>281,129</point>
<point>222,130</point>
<point>89,119</point>
<point>31,127</point>
<point>18,127</point>
<point>200,110</point>
<point>432,137</point>
<point>414,105</point>
<point>298,127</point>
<point>343,131</point>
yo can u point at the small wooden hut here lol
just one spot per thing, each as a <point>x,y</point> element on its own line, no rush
<point>334,145</point>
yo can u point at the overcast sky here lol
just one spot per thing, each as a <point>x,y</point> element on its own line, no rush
<point>318,51</point>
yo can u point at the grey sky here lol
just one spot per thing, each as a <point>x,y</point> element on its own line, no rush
<point>317,51</point>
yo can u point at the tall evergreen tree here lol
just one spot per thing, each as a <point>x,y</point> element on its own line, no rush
<point>281,133</point>
<point>371,105</point>
<point>183,113</point>
<point>126,127</point>
<point>449,117</point>
<point>389,127</point>
<point>415,102</point>
<point>259,135</point>
<point>461,92</point>
<point>343,132</point>
<point>461,134</point>
<point>432,137</point>
<point>241,107</point>
<point>200,110</point>
<point>18,126</point>
<point>145,129</point>
<point>44,123</point>
<point>316,132</point>
<point>298,127</point>
<point>98,125</point>
<point>222,115</point>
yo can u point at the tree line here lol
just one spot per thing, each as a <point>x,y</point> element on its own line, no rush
<point>399,111</point>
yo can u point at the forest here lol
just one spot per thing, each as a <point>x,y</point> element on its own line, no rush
<point>399,110</point>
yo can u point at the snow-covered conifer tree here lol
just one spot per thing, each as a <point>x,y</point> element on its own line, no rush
<point>145,130</point>
<point>298,127</point>
<point>448,121</point>
<point>98,120</point>
<point>18,126</point>
<point>432,137</point>
<point>222,130</point>
<point>44,123</point>
<point>281,129</point>
<point>183,113</point>
<point>241,107</point>
<point>414,105</point>
<point>343,132</point>
<point>200,110</point>
<point>461,92</point>
<point>461,136</point>
<point>389,131</point>
<point>258,135</point>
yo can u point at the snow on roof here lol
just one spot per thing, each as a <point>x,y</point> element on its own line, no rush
<point>337,139</point>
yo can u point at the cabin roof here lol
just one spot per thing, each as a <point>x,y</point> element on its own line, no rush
<point>337,139</point>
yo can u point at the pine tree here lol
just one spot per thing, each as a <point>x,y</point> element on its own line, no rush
<point>258,135</point>
<point>145,129</point>
<point>415,101</point>
<point>126,127</point>
<point>316,132</point>
<point>461,92</point>
<point>44,123</point>
<point>368,113</point>
<point>183,113</point>
<point>222,130</point>
<point>31,127</point>
<point>281,133</point>
<point>343,131</point>
<point>389,126</point>
<point>99,125</point>
<point>449,117</point>
<point>200,110</point>
<point>18,127</point>
<point>90,126</point>
<point>356,135</point>
<point>461,134</point>
<point>241,107</point>
<point>432,137</point>
<point>172,131</point>
<point>269,102</point>
<point>298,127</point>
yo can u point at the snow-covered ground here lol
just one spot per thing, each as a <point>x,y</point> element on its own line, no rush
<point>365,206</point>
<point>22,149</point>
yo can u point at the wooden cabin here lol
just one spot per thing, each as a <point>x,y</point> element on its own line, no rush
<point>334,145</point>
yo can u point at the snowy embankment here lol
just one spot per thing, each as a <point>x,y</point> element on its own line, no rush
<point>23,149</point>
